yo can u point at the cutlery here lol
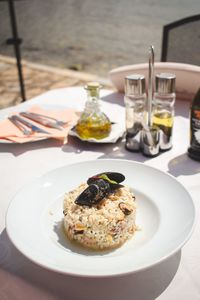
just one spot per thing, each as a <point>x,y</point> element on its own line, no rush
<point>20,126</point>
<point>59,122</point>
<point>44,120</point>
<point>33,127</point>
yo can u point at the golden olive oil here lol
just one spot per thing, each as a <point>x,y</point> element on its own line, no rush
<point>164,120</point>
<point>93,128</point>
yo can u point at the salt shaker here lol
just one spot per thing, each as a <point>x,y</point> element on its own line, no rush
<point>163,108</point>
<point>134,100</point>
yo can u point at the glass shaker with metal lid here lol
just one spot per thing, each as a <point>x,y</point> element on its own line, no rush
<point>93,123</point>
<point>163,108</point>
<point>134,99</point>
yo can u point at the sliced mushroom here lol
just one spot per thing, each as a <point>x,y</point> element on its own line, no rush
<point>125,208</point>
<point>79,228</point>
<point>65,212</point>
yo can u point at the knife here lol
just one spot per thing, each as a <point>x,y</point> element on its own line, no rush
<point>41,120</point>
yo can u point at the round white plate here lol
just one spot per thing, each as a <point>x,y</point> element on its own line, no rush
<point>165,215</point>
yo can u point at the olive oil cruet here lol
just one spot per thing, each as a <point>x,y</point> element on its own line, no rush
<point>163,112</point>
<point>93,123</point>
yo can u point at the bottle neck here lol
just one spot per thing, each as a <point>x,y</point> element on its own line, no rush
<point>93,94</point>
<point>92,103</point>
<point>92,98</point>
<point>196,100</point>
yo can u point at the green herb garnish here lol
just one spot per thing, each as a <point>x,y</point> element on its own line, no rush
<point>105,177</point>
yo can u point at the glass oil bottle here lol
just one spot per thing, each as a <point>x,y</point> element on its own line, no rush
<point>163,108</point>
<point>194,149</point>
<point>93,123</point>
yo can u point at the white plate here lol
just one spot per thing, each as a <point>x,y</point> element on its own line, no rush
<point>165,215</point>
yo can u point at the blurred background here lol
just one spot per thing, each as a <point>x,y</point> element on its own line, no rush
<point>91,36</point>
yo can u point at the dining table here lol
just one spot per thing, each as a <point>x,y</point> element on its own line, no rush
<point>176,277</point>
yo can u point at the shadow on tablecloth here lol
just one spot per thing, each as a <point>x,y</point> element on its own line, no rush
<point>183,165</point>
<point>22,279</point>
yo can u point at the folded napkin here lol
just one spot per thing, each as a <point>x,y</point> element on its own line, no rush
<point>8,131</point>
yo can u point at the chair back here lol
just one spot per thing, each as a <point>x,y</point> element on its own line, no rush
<point>187,76</point>
<point>181,41</point>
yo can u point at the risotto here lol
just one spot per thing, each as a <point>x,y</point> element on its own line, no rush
<point>105,225</point>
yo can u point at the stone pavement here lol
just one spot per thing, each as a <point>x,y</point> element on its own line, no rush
<point>38,79</point>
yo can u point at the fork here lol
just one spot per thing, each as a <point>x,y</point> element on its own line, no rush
<point>44,117</point>
<point>20,126</point>
<point>33,127</point>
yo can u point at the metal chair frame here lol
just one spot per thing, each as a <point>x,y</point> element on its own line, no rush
<point>166,30</point>
<point>16,41</point>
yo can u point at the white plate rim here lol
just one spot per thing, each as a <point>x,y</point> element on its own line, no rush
<point>156,262</point>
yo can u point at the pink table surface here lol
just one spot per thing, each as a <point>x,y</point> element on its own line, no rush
<point>175,278</point>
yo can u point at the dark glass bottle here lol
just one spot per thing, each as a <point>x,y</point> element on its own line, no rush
<point>194,149</point>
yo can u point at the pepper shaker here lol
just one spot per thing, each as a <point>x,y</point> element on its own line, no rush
<point>134,100</point>
<point>163,108</point>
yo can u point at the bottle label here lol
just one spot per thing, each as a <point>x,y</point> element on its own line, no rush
<point>195,128</point>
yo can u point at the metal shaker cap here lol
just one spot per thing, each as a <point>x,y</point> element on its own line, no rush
<point>165,83</point>
<point>135,84</point>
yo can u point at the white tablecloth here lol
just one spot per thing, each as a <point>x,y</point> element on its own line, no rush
<point>175,278</point>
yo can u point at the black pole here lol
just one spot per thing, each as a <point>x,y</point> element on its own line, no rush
<point>16,47</point>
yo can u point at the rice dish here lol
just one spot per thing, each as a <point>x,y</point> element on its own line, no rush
<point>105,225</point>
